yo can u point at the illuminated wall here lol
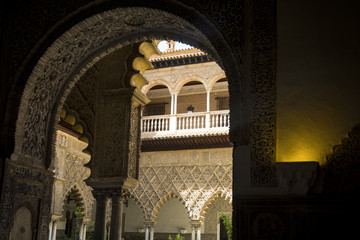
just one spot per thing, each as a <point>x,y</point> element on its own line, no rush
<point>318,77</point>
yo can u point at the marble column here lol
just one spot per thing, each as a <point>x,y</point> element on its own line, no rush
<point>54,227</point>
<point>172,105</point>
<point>146,232</point>
<point>100,218</point>
<point>116,216</point>
<point>198,233</point>
<point>207,116</point>
<point>50,229</point>
<point>81,231</point>
<point>208,101</point>
<point>84,232</point>
<point>149,230</point>
<point>196,230</point>
<point>192,232</point>
<point>175,104</point>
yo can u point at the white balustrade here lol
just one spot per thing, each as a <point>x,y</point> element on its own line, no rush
<point>219,119</point>
<point>186,121</point>
<point>190,121</point>
<point>155,123</point>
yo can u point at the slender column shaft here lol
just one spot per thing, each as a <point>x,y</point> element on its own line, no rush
<point>208,101</point>
<point>81,231</point>
<point>146,232</point>
<point>192,233</point>
<point>84,232</point>
<point>54,226</point>
<point>198,234</point>
<point>100,218</point>
<point>50,229</point>
<point>172,105</point>
<point>175,104</point>
<point>116,217</point>
<point>151,232</point>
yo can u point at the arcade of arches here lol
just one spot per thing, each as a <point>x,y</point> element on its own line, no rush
<point>199,178</point>
<point>79,100</point>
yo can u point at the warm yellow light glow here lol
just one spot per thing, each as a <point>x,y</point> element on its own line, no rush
<point>300,146</point>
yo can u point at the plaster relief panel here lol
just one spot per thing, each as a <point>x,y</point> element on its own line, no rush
<point>22,228</point>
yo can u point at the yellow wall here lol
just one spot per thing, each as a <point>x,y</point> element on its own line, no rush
<point>318,77</point>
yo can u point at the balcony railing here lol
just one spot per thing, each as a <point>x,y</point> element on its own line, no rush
<point>186,121</point>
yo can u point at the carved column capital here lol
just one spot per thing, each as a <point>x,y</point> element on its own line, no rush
<point>195,224</point>
<point>101,196</point>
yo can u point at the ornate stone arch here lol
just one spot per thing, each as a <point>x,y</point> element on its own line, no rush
<point>81,200</point>
<point>165,199</point>
<point>155,82</point>
<point>210,200</point>
<point>188,78</point>
<point>214,78</point>
<point>129,195</point>
<point>71,55</point>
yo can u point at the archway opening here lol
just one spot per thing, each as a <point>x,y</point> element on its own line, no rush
<point>172,219</point>
<point>71,222</point>
<point>64,81</point>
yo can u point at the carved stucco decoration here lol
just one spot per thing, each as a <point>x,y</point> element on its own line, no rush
<point>196,186</point>
<point>263,93</point>
<point>341,170</point>
<point>22,227</point>
<point>53,77</point>
<point>217,206</point>
<point>36,185</point>
<point>134,139</point>
<point>76,173</point>
<point>70,173</point>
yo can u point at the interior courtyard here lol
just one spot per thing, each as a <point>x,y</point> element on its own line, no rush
<point>106,135</point>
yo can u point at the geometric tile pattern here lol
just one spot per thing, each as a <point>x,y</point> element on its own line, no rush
<point>196,186</point>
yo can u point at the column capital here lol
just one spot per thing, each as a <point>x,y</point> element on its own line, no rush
<point>117,197</point>
<point>101,195</point>
<point>55,217</point>
<point>149,224</point>
<point>195,224</point>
